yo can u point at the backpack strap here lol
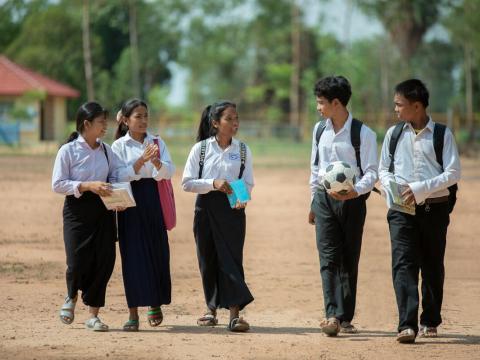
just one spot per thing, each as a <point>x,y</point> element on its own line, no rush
<point>203,149</point>
<point>108,162</point>
<point>321,126</point>
<point>397,131</point>
<point>243,157</point>
<point>438,139</point>
<point>355,140</point>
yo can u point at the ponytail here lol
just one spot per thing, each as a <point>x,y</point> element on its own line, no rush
<point>204,127</point>
<point>73,136</point>
<point>122,130</point>
<point>210,113</point>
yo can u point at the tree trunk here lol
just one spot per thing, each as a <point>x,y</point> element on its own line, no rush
<point>132,12</point>
<point>295,75</point>
<point>87,54</point>
<point>469,91</point>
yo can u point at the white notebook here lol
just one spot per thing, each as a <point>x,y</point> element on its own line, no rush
<point>122,196</point>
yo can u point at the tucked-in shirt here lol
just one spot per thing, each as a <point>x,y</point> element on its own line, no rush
<point>130,150</point>
<point>218,164</point>
<point>338,147</point>
<point>77,162</point>
<point>416,163</point>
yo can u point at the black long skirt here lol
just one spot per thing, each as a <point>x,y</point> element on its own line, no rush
<point>89,236</point>
<point>144,248</point>
<point>220,235</point>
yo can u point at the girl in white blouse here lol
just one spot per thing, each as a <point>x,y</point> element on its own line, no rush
<point>83,170</point>
<point>219,230</point>
<point>142,233</point>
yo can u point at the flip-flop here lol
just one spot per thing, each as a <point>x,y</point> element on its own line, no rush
<point>131,325</point>
<point>207,320</point>
<point>238,325</point>
<point>155,316</point>
<point>67,311</point>
<point>95,324</point>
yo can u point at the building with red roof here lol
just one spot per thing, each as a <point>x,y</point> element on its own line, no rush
<point>34,101</point>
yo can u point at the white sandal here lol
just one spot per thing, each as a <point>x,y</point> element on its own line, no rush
<point>67,311</point>
<point>96,324</point>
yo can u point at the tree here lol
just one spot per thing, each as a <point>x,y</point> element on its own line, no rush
<point>406,21</point>
<point>87,53</point>
<point>464,27</point>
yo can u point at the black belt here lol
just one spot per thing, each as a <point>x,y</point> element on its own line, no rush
<point>436,200</point>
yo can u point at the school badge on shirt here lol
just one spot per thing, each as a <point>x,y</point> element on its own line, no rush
<point>233,156</point>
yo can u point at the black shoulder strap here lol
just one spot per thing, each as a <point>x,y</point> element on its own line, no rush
<point>397,131</point>
<point>108,162</point>
<point>243,156</point>
<point>438,139</point>
<point>318,134</point>
<point>355,140</point>
<point>203,148</point>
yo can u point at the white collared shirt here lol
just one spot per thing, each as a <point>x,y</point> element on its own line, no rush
<point>338,147</point>
<point>77,162</point>
<point>218,164</point>
<point>416,162</point>
<point>130,150</point>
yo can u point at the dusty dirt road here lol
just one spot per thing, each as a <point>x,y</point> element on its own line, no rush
<point>282,269</point>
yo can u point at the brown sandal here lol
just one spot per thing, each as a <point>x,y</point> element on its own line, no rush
<point>208,319</point>
<point>238,325</point>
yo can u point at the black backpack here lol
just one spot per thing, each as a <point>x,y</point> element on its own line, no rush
<point>438,139</point>
<point>354,139</point>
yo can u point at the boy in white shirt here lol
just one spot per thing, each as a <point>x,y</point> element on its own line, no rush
<point>418,241</point>
<point>338,218</point>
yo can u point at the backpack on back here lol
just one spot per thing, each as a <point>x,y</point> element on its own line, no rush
<point>354,139</point>
<point>438,140</point>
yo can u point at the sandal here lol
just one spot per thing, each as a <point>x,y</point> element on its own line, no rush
<point>330,326</point>
<point>208,319</point>
<point>131,325</point>
<point>238,325</point>
<point>427,332</point>
<point>347,328</point>
<point>96,324</point>
<point>155,316</point>
<point>67,310</point>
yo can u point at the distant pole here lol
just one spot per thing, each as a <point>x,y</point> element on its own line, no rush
<point>87,54</point>
<point>134,47</point>
<point>295,75</point>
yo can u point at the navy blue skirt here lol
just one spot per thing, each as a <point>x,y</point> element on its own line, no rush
<point>144,248</point>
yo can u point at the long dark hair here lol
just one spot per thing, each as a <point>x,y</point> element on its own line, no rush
<point>88,111</point>
<point>127,110</point>
<point>210,113</point>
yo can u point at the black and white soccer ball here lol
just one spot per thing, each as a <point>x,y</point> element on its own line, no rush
<point>339,177</point>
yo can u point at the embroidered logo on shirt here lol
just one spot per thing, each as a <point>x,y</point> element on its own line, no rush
<point>234,156</point>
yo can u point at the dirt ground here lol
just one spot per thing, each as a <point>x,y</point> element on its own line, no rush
<point>282,270</point>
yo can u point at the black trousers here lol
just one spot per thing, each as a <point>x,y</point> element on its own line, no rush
<point>220,235</point>
<point>339,230</point>
<point>418,244</point>
<point>89,234</point>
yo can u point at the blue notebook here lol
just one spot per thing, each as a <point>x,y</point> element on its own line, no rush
<point>240,193</point>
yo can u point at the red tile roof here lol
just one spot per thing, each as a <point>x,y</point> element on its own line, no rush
<point>15,80</point>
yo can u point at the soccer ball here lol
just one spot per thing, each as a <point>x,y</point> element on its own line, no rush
<point>339,177</point>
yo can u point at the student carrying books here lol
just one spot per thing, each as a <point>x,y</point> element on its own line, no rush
<point>411,157</point>
<point>214,161</point>
<point>84,168</point>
